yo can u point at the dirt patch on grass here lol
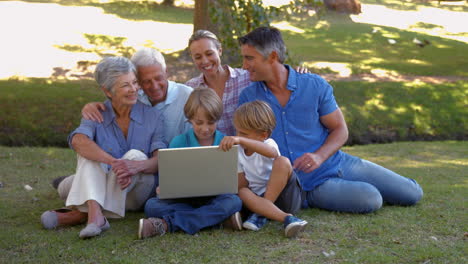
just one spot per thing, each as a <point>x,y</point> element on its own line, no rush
<point>181,69</point>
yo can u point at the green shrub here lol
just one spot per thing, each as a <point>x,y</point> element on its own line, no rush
<point>38,112</point>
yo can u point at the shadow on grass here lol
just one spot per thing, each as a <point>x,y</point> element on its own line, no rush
<point>414,5</point>
<point>336,38</point>
<point>387,112</point>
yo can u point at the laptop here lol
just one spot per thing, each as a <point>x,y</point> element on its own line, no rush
<point>196,172</point>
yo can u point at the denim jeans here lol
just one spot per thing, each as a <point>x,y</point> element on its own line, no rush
<point>362,187</point>
<point>193,214</point>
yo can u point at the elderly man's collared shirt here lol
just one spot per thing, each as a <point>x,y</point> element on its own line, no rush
<point>144,132</point>
<point>238,80</point>
<point>298,128</point>
<point>172,109</point>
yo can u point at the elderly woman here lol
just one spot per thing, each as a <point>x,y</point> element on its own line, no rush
<point>114,172</point>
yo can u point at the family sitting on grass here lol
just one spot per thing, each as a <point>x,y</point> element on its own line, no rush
<point>288,126</point>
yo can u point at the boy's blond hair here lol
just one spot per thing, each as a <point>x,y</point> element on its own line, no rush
<point>256,115</point>
<point>208,100</point>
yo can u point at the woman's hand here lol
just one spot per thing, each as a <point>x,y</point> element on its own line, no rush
<point>124,170</point>
<point>227,142</point>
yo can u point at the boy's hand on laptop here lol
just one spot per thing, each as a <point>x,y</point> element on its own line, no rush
<point>228,141</point>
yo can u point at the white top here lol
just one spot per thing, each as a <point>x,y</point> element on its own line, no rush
<point>257,168</point>
<point>172,109</point>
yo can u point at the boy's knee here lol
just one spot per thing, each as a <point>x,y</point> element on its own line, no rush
<point>282,163</point>
<point>243,192</point>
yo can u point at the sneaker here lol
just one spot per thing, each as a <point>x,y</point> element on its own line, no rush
<point>293,226</point>
<point>151,227</point>
<point>234,222</point>
<point>255,222</point>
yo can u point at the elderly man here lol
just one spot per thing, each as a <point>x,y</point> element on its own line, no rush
<point>166,96</point>
<point>311,130</point>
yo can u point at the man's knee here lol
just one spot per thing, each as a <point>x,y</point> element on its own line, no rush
<point>410,195</point>
<point>353,197</point>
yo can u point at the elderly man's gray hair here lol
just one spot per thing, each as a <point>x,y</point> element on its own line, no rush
<point>148,57</point>
<point>110,68</point>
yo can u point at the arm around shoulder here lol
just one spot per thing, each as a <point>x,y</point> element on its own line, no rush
<point>92,111</point>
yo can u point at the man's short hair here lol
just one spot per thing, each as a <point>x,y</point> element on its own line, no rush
<point>147,57</point>
<point>256,115</point>
<point>266,40</point>
<point>206,99</point>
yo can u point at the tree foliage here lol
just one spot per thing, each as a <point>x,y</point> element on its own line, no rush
<point>234,18</point>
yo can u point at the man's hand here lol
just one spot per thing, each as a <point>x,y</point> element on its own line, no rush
<point>124,170</point>
<point>302,69</point>
<point>92,111</point>
<point>308,162</point>
<point>229,141</point>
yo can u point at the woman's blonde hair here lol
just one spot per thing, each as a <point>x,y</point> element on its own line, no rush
<point>256,115</point>
<point>208,100</point>
<point>204,34</point>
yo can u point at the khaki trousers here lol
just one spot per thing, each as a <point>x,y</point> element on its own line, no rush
<point>91,182</point>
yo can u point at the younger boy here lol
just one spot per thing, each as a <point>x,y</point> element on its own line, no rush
<point>203,110</point>
<point>268,185</point>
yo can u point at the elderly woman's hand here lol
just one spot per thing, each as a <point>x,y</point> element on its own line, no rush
<point>124,170</point>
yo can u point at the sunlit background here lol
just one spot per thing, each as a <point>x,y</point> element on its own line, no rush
<point>31,33</point>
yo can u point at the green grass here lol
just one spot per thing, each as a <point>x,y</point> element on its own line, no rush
<point>433,230</point>
<point>42,112</point>
<point>389,111</point>
<point>335,38</point>
<point>38,112</point>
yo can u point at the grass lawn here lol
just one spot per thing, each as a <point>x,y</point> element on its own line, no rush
<point>433,231</point>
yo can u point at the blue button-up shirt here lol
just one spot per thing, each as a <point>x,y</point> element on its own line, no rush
<point>298,128</point>
<point>145,132</point>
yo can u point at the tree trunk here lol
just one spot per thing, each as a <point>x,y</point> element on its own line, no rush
<point>168,2</point>
<point>201,16</point>
<point>344,6</point>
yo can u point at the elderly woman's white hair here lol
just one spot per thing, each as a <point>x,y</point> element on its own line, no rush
<point>110,68</point>
<point>148,57</point>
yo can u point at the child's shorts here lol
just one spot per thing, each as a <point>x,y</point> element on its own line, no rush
<point>290,199</point>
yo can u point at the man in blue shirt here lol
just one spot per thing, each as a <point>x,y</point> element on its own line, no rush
<point>311,130</point>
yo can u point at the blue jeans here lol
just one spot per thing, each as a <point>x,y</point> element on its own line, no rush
<point>362,187</point>
<point>193,214</point>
